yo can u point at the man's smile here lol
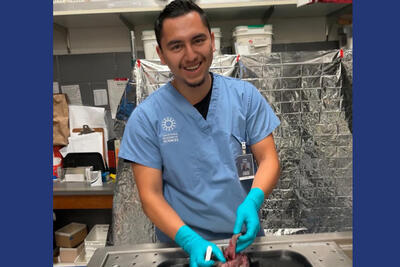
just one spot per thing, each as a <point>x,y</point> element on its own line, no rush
<point>192,68</point>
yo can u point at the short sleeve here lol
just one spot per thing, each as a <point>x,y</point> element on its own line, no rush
<point>260,119</point>
<point>140,142</point>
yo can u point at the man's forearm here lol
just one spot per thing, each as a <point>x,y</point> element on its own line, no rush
<point>268,171</point>
<point>149,183</point>
<point>267,175</point>
<point>162,214</point>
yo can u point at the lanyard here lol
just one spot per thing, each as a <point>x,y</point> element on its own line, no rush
<point>242,143</point>
<point>243,148</point>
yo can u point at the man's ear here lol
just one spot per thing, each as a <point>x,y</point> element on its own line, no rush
<point>213,42</point>
<point>160,55</point>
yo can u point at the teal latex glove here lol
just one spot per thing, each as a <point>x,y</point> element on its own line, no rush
<point>196,247</point>
<point>247,213</point>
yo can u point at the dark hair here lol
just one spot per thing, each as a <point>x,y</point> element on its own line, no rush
<point>175,9</point>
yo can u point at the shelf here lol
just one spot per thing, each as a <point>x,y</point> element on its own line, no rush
<point>107,13</point>
<point>134,6</point>
<point>102,26</point>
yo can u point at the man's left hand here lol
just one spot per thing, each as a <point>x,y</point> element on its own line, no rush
<point>247,213</point>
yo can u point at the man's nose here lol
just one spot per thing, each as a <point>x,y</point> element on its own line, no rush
<point>190,53</point>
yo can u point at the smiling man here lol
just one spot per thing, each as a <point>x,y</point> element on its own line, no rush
<point>188,52</point>
<point>186,139</point>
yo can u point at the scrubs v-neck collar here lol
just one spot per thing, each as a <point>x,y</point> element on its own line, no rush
<point>183,105</point>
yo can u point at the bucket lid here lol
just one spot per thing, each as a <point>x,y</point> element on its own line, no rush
<point>148,35</point>
<point>253,29</point>
<point>148,32</point>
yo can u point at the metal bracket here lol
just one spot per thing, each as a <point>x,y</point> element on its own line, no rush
<point>331,18</point>
<point>127,23</point>
<point>267,15</point>
<point>66,33</point>
<point>348,9</point>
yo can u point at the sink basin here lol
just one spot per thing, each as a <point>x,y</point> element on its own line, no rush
<point>308,250</point>
<point>281,258</point>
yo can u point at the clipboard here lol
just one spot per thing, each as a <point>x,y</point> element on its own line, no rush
<point>85,130</point>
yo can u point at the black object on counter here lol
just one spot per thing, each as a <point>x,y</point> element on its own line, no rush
<point>81,159</point>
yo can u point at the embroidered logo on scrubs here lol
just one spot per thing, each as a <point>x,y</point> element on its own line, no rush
<point>168,124</point>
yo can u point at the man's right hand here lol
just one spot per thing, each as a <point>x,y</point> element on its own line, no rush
<point>196,247</point>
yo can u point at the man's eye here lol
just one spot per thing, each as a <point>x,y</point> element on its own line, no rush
<point>199,41</point>
<point>176,47</point>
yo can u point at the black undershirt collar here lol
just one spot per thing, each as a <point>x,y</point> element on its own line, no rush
<point>203,105</point>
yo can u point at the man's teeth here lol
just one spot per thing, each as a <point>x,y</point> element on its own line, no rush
<point>193,68</point>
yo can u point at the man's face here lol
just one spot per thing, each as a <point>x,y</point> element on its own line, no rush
<point>187,49</point>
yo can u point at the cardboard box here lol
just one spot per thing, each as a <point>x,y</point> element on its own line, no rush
<point>70,254</point>
<point>71,235</point>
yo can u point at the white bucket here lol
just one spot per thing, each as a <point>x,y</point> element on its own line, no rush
<point>217,38</point>
<point>252,39</point>
<point>149,43</point>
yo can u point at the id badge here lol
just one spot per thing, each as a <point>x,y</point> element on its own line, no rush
<point>245,164</point>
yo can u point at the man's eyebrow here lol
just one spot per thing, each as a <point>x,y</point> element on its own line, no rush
<point>201,35</point>
<point>173,42</point>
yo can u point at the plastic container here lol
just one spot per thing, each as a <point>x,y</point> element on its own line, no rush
<point>96,238</point>
<point>149,43</point>
<point>252,39</point>
<point>70,254</point>
<point>57,165</point>
<point>70,235</point>
<point>82,259</point>
<point>217,38</point>
<point>76,174</point>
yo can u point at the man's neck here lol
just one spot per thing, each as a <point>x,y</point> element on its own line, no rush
<point>193,94</point>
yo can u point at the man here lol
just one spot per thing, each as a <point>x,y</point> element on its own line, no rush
<point>184,139</point>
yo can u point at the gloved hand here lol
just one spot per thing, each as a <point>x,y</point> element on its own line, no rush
<point>247,213</point>
<point>196,247</point>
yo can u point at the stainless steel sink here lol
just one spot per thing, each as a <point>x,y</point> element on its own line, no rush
<point>307,250</point>
<point>281,258</point>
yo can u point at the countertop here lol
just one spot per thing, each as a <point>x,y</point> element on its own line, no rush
<point>81,188</point>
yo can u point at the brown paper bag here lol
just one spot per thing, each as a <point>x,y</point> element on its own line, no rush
<point>60,120</point>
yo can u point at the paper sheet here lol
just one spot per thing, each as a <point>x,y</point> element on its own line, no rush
<point>80,115</point>
<point>100,97</point>
<point>56,88</point>
<point>92,142</point>
<point>73,93</point>
<point>92,116</point>
<point>115,91</point>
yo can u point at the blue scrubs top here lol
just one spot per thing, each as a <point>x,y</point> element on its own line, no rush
<point>197,156</point>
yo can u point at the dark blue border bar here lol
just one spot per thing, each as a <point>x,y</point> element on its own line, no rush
<point>376,139</point>
<point>26,85</point>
